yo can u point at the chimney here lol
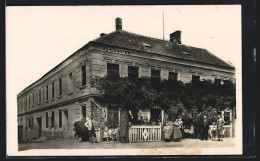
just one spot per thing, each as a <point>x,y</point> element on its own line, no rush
<point>118,23</point>
<point>175,37</point>
<point>102,34</point>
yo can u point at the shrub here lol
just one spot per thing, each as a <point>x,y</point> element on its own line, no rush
<point>81,130</point>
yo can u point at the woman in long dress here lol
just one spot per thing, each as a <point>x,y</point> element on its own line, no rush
<point>167,132</point>
<point>176,131</point>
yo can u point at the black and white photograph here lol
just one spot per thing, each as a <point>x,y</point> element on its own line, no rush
<point>124,80</point>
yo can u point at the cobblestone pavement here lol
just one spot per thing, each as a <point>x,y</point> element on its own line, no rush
<point>77,144</point>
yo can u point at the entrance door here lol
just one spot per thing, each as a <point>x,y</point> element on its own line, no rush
<point>39,121</point>
<point>20,133</point>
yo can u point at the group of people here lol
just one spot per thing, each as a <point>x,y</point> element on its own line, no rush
<point>216,129</point>
<point>173,130</point>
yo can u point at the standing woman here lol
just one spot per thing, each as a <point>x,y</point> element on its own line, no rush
<point>220,128</point>
<point>167,132</point>
<point>176,130</point>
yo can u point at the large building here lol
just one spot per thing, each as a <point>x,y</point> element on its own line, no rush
<point>51,105</point>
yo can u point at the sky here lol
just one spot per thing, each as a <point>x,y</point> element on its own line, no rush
<point>40,37</point>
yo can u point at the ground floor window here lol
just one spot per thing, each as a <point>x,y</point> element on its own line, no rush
<point>83,112</point>
<point>52,119</point>
<point>60,118</point>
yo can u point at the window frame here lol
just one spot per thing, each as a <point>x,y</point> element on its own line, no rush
<point>83,75</point>
<point>111,71</point>
<point>155,77</point>
<point>132,73</point>
<point>60,87</point>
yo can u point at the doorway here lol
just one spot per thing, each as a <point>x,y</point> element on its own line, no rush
<point>20,134</point>
<point>39,121</point>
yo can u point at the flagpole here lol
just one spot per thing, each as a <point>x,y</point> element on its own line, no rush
<point>163,25</point>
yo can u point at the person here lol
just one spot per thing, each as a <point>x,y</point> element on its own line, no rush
<point>181,126</point>
<point>213,130</point>
<point>167,132</point>
<point>204,128</point>
<point>220,128</point>
<point>91,130</point>
<point>105,131</point>
<point>176,131</point>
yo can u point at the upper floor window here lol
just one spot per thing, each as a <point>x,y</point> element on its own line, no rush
<point>39,96</point>
<point>217,81</point>
<point>60,86</point>
<point>133,72</point>
<point>70,83</point>
<point>83,75</point>
<point>173,76</point>
<point>227,82</point>
<point>29,101</point>
<point>52,90</point>
<point>33,99</point>
<point>195,78</point>
<point>112,69</point>
<point>47,93</point>
<point>155,74</point>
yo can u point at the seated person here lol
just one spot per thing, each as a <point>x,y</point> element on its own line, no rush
<point>114,134</point>
<point>110,131</point>
<point>213,130</point>
<point>190,130</point>
<point>105,132</point>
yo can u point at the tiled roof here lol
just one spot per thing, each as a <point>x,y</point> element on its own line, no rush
<point>124,39</point>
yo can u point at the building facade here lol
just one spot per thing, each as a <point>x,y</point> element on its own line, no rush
<point>51,105</point>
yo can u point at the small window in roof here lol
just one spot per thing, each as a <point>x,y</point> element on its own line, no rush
<point>185,53</point>
<point>146,45</point>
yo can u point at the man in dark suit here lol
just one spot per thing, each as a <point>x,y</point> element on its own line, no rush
<point>204,128</point>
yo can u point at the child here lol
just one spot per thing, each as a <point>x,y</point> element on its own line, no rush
<point>213,130</point>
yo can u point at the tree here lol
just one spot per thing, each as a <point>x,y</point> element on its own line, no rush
<point>177,98</point>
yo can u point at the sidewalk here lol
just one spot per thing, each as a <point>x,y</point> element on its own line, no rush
<point>76,144</point>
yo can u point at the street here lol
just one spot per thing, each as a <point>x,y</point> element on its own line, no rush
<point>76,144</point>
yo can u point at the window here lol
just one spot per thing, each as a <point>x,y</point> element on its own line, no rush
<point>112,69</point>
<point>29,101</point>
<point>83,75</point>
<point>60,118</point>
<point>60,86</point>
<point>52,90</point>
<point>195,79</point>
<point>31,122</point>
<point>217,81</point>
<point>155,74</point>
<point>133,72</point>
<point>83,112</point>
<point>33,99</point>
<point>21,119</point>
<point>47,93</point>
<point>47,120</point>
<point>226,82</point>
<point>39,96</point>
<point>21,106</point>
<point>70,83</point>
<point>173,76</point>
<point>52,118</point>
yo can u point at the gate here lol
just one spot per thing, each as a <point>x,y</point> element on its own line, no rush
<point>144,133</point>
